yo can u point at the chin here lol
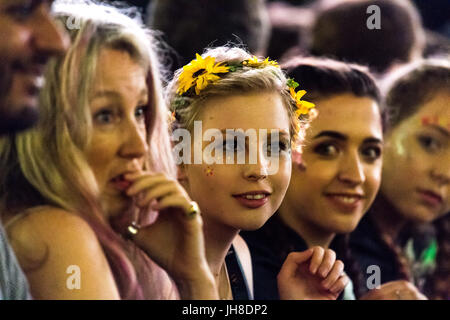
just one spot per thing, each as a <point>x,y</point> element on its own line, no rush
<point>421,216</point>
<point>343,226</point>
<point>252,226</point>
<point>117,205</point>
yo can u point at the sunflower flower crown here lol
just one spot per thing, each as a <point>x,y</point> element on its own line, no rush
<point>201,72</point>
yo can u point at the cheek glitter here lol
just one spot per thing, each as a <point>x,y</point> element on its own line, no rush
<point>209,171</point>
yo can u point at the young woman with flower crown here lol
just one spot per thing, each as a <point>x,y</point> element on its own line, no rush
<point>227,89</point>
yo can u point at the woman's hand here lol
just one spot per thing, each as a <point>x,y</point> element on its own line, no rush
<point>314,274</point>
<point>175,240</point>
<point>395,290</point>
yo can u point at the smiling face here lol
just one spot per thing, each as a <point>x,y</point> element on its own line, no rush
<point>416,172</point>
<point>29,37</point>
<point>342,156</point>
<point>242,196</point>
<point>118,106</point>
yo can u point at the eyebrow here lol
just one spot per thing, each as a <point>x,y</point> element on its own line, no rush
<point>440,129</point>
<point>343,137</point>
<point>332,134</point>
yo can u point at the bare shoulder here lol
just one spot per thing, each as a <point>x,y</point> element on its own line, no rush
<point>37,230</point>
<point>50,243</point>
<point>243,253</point>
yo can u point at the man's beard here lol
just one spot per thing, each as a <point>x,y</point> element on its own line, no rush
<point>12,118</point>
<point>22,120</point>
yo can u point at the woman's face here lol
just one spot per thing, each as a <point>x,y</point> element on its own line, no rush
<point>341,166</point>
<point>242,196</point>
<point>416,172</point>
<point>118,106</point>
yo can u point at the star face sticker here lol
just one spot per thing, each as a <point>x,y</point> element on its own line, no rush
<point>209,171</point>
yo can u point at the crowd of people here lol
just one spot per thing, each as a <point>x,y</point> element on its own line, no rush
<point>231,150</point>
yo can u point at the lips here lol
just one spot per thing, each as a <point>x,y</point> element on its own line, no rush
<point>430,197</point>
<point>120,183</point>
<point>253,199</point>
<point>31,77</point>
<point>345,202</point>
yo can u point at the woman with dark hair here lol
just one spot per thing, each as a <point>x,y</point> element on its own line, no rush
<point>98,160</point>
<point>406,232</point>
<point>334,179</point>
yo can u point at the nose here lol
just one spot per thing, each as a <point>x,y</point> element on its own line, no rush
<point>256,171</point>
<point>50,37</point>
<point>351,171</point>
<point>134,144</point>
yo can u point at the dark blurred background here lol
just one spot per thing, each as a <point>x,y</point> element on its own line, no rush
<point>285,28</point>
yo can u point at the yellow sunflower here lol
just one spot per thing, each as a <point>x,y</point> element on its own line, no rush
<point>254,62</point>
<point>268,62</point>
<point>302,105</point>
<point>200,72</point>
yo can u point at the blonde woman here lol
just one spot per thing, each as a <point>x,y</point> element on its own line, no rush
<point>98,160</point>
<point>227,89</point>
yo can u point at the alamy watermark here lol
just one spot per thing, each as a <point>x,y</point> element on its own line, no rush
<point>374,21</point>
<point>231,146</point>
<point>73,281</point>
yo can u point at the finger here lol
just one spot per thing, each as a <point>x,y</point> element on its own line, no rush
<point>174,201</point>
<point>158,192</point>
<point>327,263</point>
<point>340,284</point>
<point>293,260</point>
<point>145,181</point>
<point>316,260</point>
<point>335,273</point>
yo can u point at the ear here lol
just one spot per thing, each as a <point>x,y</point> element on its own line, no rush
<point>297,160</point>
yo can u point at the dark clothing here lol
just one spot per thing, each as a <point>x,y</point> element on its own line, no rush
<point>368,249</point>
<point>238,281</point>
<point>269,246</point>
<point>419,251</point>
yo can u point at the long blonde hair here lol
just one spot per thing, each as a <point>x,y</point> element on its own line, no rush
<point>49,160</point>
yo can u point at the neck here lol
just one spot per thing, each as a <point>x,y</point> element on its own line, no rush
<point>218,240</point>
<point>313,234</point>
<point>387,217</point>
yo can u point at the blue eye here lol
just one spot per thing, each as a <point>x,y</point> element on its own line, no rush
<point>276,147</point>
<point>233,145</point>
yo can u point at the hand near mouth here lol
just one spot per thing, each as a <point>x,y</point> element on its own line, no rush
<point>175,240</point>
<point>314,274</point>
